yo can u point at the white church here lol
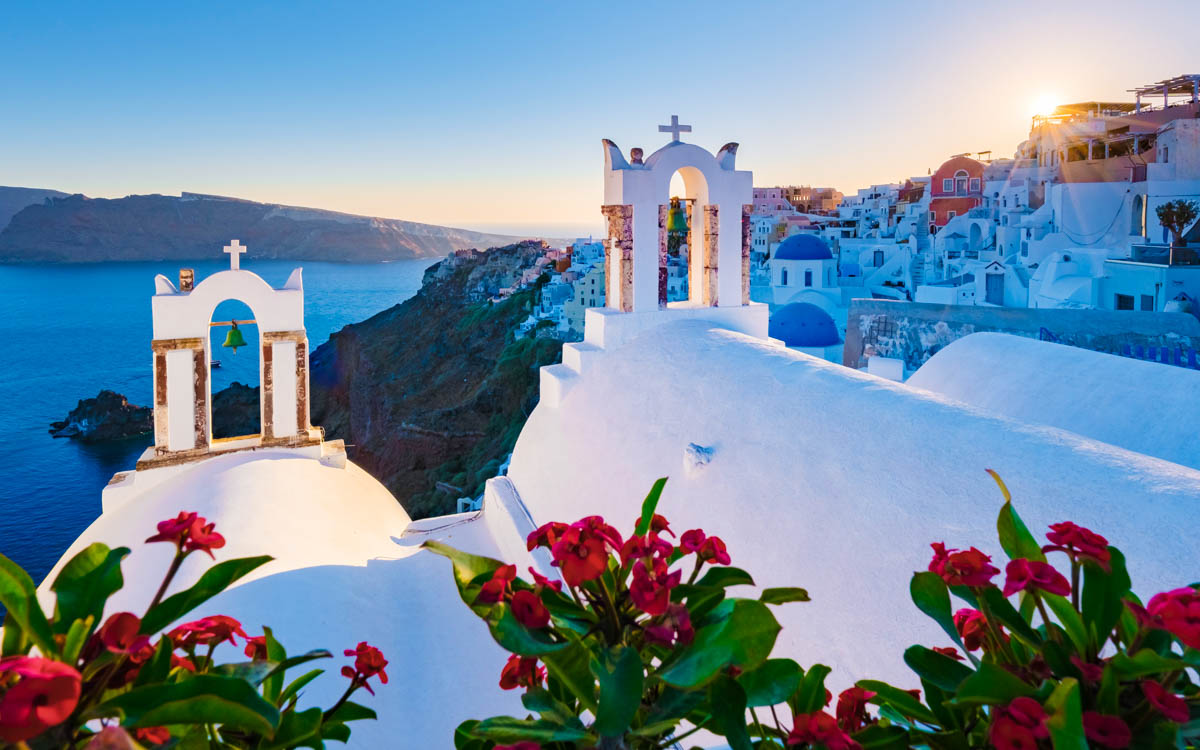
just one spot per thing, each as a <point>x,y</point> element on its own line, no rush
<point>820,476</point>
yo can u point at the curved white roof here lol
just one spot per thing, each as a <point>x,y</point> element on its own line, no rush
<point>831,479</point>
<point>347,568</point>
<point>1142,406</point>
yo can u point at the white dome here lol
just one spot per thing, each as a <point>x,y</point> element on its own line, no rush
<point>834,480</point>
<point>347,568</point>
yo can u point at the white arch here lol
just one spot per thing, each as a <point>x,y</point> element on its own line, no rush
<point>179,315</point>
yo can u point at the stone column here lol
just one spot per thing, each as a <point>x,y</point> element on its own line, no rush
<point>746,209</point>
<point>199,387</point>
<point>712,223</point>
<point>662,255</point>
<point>694,252</point>
<point>200,384</point>
<point>266,396</point>
<point>618,260</point>
<point>302,416</point>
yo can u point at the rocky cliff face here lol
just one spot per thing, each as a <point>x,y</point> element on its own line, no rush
<point>13,199</point>
<point>159,227</point>
<point>432,393</point>
<point>108,416</point>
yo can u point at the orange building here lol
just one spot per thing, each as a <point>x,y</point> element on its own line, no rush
<point>955,188</point>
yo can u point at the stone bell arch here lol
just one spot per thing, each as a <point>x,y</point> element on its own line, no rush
<point>182,386</point>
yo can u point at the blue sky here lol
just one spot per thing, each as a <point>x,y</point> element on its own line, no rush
<point>489,115</point>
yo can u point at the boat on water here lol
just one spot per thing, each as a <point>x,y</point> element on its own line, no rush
<point>216,363</point>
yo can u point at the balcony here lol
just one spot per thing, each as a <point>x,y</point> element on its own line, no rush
<point>1164,255</point>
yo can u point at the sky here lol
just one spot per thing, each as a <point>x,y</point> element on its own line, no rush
<point>489,115</point>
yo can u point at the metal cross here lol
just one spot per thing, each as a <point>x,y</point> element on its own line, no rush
<point>235,250</point>
<point>675,128</point>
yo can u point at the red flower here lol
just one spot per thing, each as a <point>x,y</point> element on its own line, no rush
<point>658,524</point>
<point>675,626</point>
<point>203,538</point>
<point>1078,542</point>
<point>207,631</point>
<point>256,647</point>
<point>962,567</point>
<point>1168,704</point>
<point>546,535</point>
<point>183,663</point>
<point>174,530</point>
<point>651,587</point>
<point>153,735</point>
<point>972,627</point>
<point>852,709</point>
<point>713,551</point>
<point>368,663</point>
<point>642,547</point>
<point>521,671</point>
<point>44,695</point>
<point>542,582</point>
<point>949,651</point>
<point>524,745</point>
<point>582,551</point>
<point>819,728</point>
<point>527,607</point>
<point>497,589</point>
<point>1109,731</point>
<point>1026,575</point>
<point>119,634</point>
<point>1007,734</point>
<point>692,540</point>
<point>1090,672</point>
<point>1178,611</point>
<point>1028,714</point>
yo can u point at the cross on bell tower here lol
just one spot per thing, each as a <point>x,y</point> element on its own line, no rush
<point>674,128</point>
<point>235,250</point>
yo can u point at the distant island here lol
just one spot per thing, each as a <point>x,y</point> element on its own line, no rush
<point>46,226</point>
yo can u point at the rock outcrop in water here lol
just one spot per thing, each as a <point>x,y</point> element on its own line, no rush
<point>108,416</point>
<point>160,227</point>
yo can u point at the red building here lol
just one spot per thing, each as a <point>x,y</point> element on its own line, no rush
<point>955,188</point>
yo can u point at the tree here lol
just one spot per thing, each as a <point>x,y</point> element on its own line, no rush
<point>1177,216</point>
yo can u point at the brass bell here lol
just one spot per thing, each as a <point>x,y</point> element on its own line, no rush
<point>234,338</point>
<point>677,218</point>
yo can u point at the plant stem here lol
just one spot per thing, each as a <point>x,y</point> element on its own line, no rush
<point>171,571</point>
<point>341,701</point>
<point>696,570</point>
<point>994,627</point>
<point>1074,582</point>
<point>1050,631</point>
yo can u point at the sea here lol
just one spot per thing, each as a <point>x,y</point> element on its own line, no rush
<point>68,331</point>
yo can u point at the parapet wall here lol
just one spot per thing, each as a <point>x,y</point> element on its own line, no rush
<point>915,331</point>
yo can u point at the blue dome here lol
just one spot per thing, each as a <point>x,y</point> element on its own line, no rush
<point>803,324</point>
<point>803,247</point>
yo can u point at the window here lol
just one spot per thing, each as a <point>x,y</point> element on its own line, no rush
<point>878,258</point>
<point>783,277</point>
<point>960,182</point>
<point>1124,302</point>
<point>808,278</point>
<point>1148,302</point>
<point>975,185</point>
<point>948,185</point>
<point>950,215</point>
<point>933,215</point>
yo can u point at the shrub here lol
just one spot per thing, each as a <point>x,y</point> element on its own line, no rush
<point>1177,216</point>
<point>106,684</point>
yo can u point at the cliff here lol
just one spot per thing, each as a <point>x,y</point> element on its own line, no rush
<point>432,393</point>
<point>13,199</point>
<point>75,228</point>
<point>108,416</point>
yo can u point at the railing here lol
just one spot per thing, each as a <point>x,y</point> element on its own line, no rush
<point>1165,255</point>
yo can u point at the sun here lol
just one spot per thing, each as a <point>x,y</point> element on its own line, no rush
<point>1043,104</point>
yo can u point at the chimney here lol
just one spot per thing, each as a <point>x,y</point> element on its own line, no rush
<point>187,279</point>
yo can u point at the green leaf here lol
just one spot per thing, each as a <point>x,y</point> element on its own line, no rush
<point>515,637</point>
<point>275,653</point>
<point>215,580</point>
<point>85,583</point>
<point>728,702</point>
<point>738,632</point>
<point>469,572</point>
<point>1065,716</point>
<point>14,642</point>
<point>252,672</point>
<point>506,729</point>
<point>1007,615</point>
<point>338,732</point>
<point>76,637</point>
<point>1103,591</point>
<point>1108,697</point>
<point>296,685</point>
<point>724,576</point>
<point>541,701</point>
<point>201,699</point>
<point>648,507</point>
<point>783,595</point>
<point>295,727</point>
<point>878,737</point>
<point>158,667</point>
<point>900,700</point>
<point>810,696</point>
<point>570,667</point>
<point>992,685</point>
<point>282,667</point>
<point>1069,619</point>
<point>930,594</point>
<point>19,597</point>
<point>772,683</point>
<point>620,677</point>
<point>1015,538</point>
<point>465,739</point>
<point>351,711</point>
<point>938,669</point>
<point>1143,663</point>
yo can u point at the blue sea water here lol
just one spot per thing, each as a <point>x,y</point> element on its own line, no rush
<point>67,331</point>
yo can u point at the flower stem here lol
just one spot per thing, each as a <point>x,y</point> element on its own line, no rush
<point>1074,582</point>
<point>171,571</point>
<point>1050,631</point>
<point>341,701</point>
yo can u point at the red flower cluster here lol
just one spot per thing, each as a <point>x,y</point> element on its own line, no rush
<point>525,745</point>
<point>971,626</point>
<point>153,735</point>
<point>1078,542</point>
<point>498,589</point>
<point>119,634</point>
<point>1109,731</point>
<point>674,626</point>
<point>962,567</point>
<point>1168,704</point>
<point>580,550</point>
<point>189,532</point>
<point>207,631</point>
<point>521,671</point>
<point>710,549</point>
<point>368,663</point>
<point>256,647</point>
<point>1177,612</point>
<point>852,709</point>
<point>1031,575</point>
<point>45,694</point>
<point>819,728</point>
<point>1019,725</point>
<point>949,651</point>
<point>526,605</point>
